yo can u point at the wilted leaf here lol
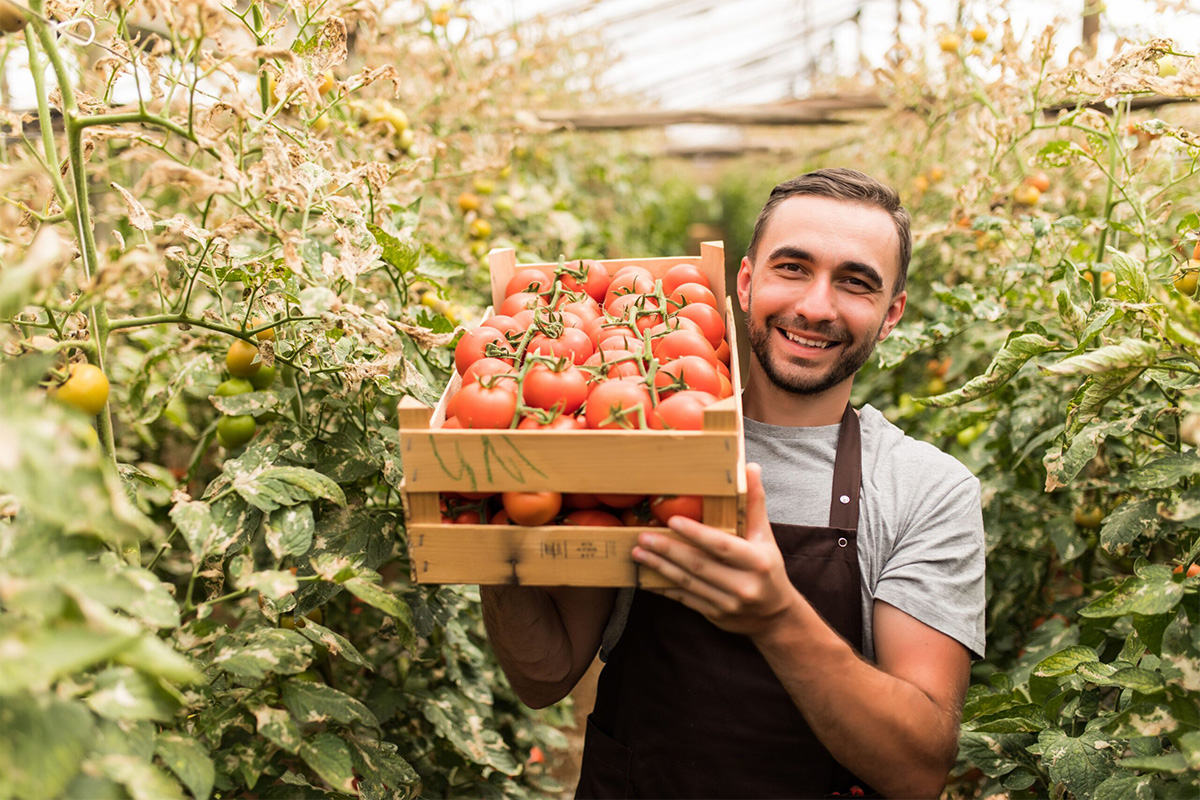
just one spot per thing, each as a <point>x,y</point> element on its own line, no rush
<point>138,216</point>
<point>1165,472</point>
<point>1016,351</point>
<point>336,644</point>
<point>289,531</point>
<point>1113,357</point>
<point>275,487</point>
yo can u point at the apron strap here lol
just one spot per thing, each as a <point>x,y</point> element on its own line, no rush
<point>847,474</point>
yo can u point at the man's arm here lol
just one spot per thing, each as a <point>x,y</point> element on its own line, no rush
<point>894,724</point>
<point>545,638</point>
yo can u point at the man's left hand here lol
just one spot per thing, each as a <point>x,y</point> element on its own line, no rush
<point>740,585</point>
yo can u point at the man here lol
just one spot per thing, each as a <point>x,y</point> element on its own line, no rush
<point>827,652</point>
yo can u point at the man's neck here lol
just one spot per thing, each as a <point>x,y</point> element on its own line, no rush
<point>763,401</point>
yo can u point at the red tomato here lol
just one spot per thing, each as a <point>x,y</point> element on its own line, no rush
<point>473,346</point>
<point>468,517</point>
<point>620,500</point>
<point>724,370</point>
<point>615,404</point>
<point>726,387</point>
<point>452,423</point>
<point>592,518</point>
<point>622,341</point>
<point>694,371</point>
<point>674,322</point>
<point>485,367</point>
<point>580,501</point>
<point>723,353</point>
<point>531,508</point>
<point>516,303</point>
<point>594,279</point>
<point>561,422</point>
<point>629,280</point>
<point>682,411</point>
<point>527,279</point>
<point>587,310</point>
<point>690,293</point>
<point>624,366</point>
<point>505,324</point>
<point>680,274</point>
<point>546,388</point>
<point>664,507</point>
<point>631,306</point>
<point>634,518</point>
<point>711,323</point>
<point>683,343</point>
<point>482,406</point>
<point>500,518</point>
<point>573,344</point>
<point>604,328</point>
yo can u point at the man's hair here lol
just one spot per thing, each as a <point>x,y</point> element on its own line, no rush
<point>839,183</point>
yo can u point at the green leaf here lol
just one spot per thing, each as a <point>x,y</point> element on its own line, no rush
<point>189,760</point>
<point>379,761</point>
<point>329,757</point>
<point>1147,597</point>
<point>277,725</point>
<point>399,254</point>
<point>1166,472</point>
<point>153,656</point>
<point>263,652</point>
<point>272,583</point>
<point>1080,764</point>
<point>1150,630</point>
<point>43,741</point>
<point>996,754</point>
<point>1063,465</point>
<point>1172,763</point>
<point>1016,351</point>
<point>1065,536</point>
<point>1133,285</point>
<point>141,779</point>
<point>40,656</point>
<point>289,531</point>
<point>276,487</point>
<point>371,594</point>
<point>315,702</point>
<point>1125,786</point>
<point>1143,719</point>
<point>1027,717</point>
<point>1124,354</point>
<point>1128,523</point>
<point>336,644</point>
<point>469,732</point>
<point>1065,662</point>
<point>125,693</point>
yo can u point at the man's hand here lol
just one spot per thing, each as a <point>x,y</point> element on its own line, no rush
<point>740,585</point>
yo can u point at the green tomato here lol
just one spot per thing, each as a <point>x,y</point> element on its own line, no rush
<point>264,377</point>
<point>234,386</point>
<point>86,389</point>
<point>235,431</point>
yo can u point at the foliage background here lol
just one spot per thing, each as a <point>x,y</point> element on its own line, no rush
<point>182,619</point>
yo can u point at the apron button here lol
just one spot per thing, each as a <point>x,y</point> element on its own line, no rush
<point>842,541</point>
<point>844,499</point>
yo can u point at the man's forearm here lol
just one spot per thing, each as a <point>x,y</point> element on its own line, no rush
<point>884,729</point>
<point>544,638</point>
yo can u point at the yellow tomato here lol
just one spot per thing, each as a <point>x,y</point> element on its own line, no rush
<point>1185,282</point>
<point>12,19</point>
<point>979,33</point>
<point>1027,195</point>
<point>1090,517</point>
<point>242,360</point>
<point>86,389</point>
<point>328,82</point>
<point>949,43</point>
<point>468,201</point>
<point>481,229</point>
<point>267,334</point>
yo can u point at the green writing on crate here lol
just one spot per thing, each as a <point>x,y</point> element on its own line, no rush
<point>496,450</point>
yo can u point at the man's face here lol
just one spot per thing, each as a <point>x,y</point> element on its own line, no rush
<point>819,296</point>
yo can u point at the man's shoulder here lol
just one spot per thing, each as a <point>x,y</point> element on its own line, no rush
<point>896,452</point>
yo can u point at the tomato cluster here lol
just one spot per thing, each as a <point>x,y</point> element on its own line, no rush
<point>573,348</point>
<point>556,508</point>
<point>249,375</point>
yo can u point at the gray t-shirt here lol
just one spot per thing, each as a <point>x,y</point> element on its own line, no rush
<point>920,526</point>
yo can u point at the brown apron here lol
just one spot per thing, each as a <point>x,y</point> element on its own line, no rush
<point>685,709</point>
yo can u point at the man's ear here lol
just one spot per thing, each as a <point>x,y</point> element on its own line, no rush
<point>743,284</point>
<point>894,313</point>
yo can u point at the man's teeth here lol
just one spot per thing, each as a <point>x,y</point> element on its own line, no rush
<point>807,342</point>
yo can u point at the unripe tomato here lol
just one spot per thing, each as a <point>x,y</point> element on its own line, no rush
<point>235,431</point>
<point>242,359</point>
<point>1185,282</point>
<point>1089,517</point>
<point>234,386</point>
<point>1027,195</point>
<point>264,377</point>
<point>267,334</point>
<point>531,508</point>
<point>86,389</point>
<point>12,19</point>
<point>467,201</point>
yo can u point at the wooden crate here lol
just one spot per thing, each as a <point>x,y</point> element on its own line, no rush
<point>710,463</point>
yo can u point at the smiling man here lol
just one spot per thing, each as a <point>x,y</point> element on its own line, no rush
<point>827,652</point>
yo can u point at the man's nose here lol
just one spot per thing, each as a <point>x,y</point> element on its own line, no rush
<point>817,301</point>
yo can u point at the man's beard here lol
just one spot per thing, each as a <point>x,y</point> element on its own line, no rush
<point>850,362</point>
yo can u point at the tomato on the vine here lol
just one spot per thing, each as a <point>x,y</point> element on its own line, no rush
<point>242,360</point>
<point>617,404</point>
<point>235,431</point>
<point>711,323</point>
<point>561,422</point>
<point>481,406</point>
<point>487,367</point>
<point>520,301</point>
<point>682,411</point>
<point>549,387</point>
<point>531,508</point>
<point>264,377</point>
<point>682,343</point>
<point>85,389</point>
<point>474,344</point>
<point>594,279</point>
<point>693,372</point>
<point>688,293</point>
<point>234,386</point>
<point>680,274</point>
<point>527,279</point>
<point>573,343</point>
<point>629,280</point>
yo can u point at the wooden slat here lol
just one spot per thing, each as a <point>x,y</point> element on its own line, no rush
<point>629,462</point>
<point>413,414</point>
<point>545,556</point>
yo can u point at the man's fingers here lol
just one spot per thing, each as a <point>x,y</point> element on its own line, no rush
<point>758,526</point>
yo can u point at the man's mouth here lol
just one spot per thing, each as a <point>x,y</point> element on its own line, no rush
<point>807,341</point>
